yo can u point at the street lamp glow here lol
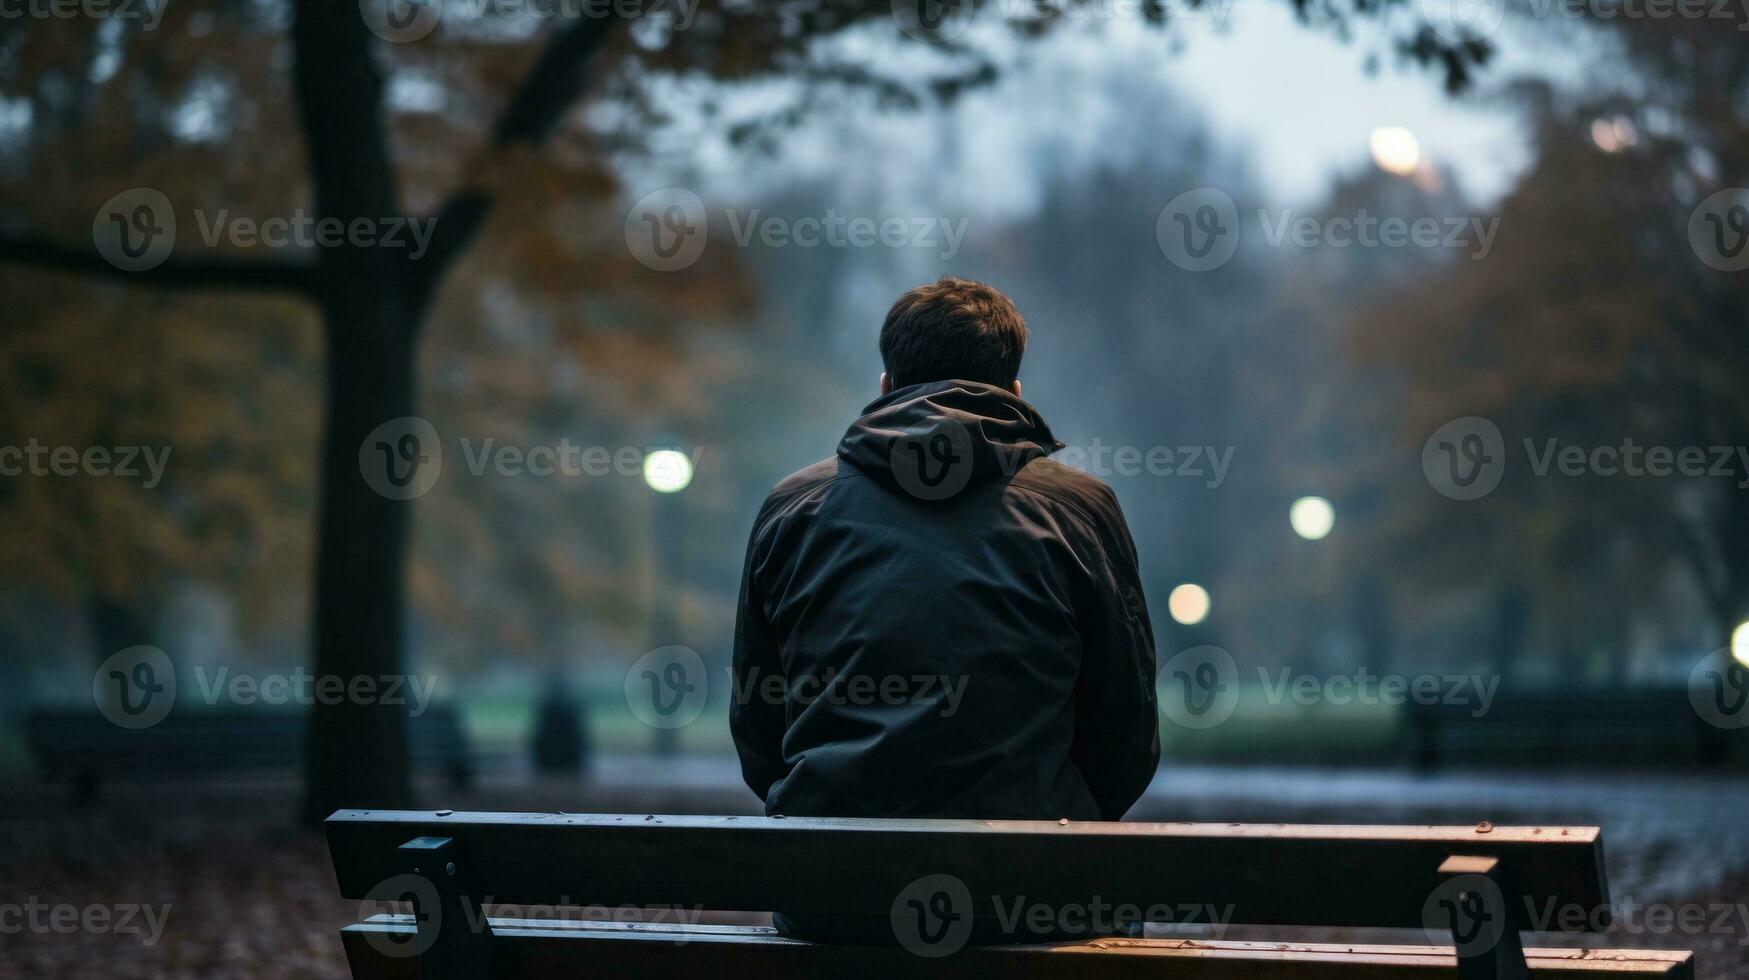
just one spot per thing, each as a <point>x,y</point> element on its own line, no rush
<point>1312,517</point>
<point>1188,604</point>
<point>1740,643</point>
<point>667,470</point>
<point>1395,149</point>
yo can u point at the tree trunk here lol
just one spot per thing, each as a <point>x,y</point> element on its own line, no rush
<point>1509,629</point>
<point>371,302</point>
<point>116,624</point>
<point>356,753</point>
<point>1370,603</point>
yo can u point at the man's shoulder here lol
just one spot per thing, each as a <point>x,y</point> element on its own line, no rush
<point>793,490</point>
<point>803,482</point>
<point>808,477</point>
<point>1069,486</point>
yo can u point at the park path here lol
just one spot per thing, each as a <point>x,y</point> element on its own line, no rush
<point>1665,835</point>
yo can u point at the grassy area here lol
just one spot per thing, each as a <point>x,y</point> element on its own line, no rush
<point>1257,731</point>
<point>507,723</point>
<point>1355,734</point>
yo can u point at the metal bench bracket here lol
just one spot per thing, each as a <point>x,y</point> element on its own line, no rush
<point>1485,914</point>
<point>454,938</point>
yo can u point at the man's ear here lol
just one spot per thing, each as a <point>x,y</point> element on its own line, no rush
<point>886,384</point>
<point>1015,387</point>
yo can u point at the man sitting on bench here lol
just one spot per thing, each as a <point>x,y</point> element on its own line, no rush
<point>939,621</point>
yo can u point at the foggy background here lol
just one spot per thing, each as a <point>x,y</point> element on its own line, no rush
<point>1584,291</point>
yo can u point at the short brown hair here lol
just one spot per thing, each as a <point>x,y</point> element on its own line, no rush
<point>953,329</point>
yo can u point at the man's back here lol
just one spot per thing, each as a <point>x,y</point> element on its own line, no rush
<point>939,621</point>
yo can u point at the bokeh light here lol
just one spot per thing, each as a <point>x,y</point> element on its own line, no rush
<point>667,470</point>
<point>1188,604</point>
<point>1395,149</point>
<point>1312,517</point>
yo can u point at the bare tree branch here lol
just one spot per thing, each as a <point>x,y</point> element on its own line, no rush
<point>551,87</point>
<point>176,272</point>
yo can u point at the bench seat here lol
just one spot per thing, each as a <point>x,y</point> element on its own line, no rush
<point>549,948</point>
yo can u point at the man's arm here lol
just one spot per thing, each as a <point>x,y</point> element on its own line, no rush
<point>1117,726</point>
<point>756,722</point>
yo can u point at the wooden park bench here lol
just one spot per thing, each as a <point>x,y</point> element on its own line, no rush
<point>84,749</point>
<point>1485,884</point>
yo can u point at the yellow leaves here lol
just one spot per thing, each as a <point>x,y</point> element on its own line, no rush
<point>222,391</point>
<point>548,326</point>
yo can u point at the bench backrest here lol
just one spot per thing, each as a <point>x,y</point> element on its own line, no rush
<point>1275,874</point>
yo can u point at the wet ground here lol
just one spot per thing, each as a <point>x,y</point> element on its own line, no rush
<point>213,881</point>
<point>1664,835</point>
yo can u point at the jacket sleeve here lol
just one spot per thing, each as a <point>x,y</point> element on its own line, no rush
<point>1117,727</point>
<point>756,719</point>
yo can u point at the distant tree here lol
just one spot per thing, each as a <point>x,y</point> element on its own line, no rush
<point>1323,410</point>
<point>1136,353</point>
<point>200,474</point>
<point>1593,321</point>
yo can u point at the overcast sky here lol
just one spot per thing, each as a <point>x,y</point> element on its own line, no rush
<point>1301,102</point>
<point>1296,104</point>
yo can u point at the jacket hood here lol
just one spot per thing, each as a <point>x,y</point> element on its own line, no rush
<point>933,440</point>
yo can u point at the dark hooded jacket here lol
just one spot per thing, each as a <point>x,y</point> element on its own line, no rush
<point>941,622</point>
